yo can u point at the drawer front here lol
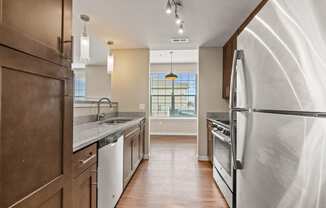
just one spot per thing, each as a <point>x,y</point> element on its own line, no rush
<point>83,159</point>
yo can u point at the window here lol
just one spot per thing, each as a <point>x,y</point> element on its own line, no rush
<point>173,98</point>
<point>80,84</point>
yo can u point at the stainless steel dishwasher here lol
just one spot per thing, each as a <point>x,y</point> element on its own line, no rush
<point>110,170</point>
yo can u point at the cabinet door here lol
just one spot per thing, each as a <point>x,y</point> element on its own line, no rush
<point>127,159</point>
<point>142,140</point>
<point>36,132</point>
<point>84,189</point>
<point>135,151</point>
<point>37,27</point>
<point>210,141</point>
<point>228,51</point>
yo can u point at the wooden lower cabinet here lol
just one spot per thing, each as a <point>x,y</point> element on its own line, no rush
<point>210,140</point>
<point>84,182</point>
<point>142,139</point>
<point>127,160</point>
<point>133,150</point>
<point>84,189</point>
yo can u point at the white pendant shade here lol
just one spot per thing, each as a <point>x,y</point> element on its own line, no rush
<point>84,48</point>
<point>110,63</point>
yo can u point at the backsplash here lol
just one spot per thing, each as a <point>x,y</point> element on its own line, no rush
<point>86,111</point>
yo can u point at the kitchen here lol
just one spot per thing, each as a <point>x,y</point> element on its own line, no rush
<point>81,132</point>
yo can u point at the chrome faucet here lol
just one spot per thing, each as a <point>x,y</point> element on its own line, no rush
<point>99,114</point>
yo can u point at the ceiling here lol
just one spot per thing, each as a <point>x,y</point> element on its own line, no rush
<point>144,23</point>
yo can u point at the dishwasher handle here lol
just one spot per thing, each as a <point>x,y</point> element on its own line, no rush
<point>109,140</point>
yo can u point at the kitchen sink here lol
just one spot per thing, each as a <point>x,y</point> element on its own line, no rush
<point>116,121</point>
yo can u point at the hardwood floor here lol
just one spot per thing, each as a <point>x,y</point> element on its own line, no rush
<point>172,178</point>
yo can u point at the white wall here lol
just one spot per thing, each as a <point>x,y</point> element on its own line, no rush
<point>173,126</point>
<point>210,92</point>
<point>176,67</point>
<point>130,82</point>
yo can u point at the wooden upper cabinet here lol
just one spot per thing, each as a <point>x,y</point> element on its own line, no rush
<point>38,27</point>
<point>67,40</point>
<point>228,51</point>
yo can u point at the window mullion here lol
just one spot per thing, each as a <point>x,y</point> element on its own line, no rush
<point>173,99</point>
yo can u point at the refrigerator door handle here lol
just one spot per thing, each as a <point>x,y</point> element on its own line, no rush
<point>237,55</point>
<point>237,164</point>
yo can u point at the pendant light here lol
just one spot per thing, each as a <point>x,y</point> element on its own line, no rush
<point>171,76</point>
<point>110,60</point>
<point>84,40</point>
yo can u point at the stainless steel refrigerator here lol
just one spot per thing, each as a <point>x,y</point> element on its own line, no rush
<point>278,107</point>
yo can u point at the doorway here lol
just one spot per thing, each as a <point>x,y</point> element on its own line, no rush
<point>173,102</point>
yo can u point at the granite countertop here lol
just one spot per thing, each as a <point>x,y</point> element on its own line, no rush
<point>91,132</point>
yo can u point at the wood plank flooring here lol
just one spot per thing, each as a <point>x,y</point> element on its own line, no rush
<point>172,178</point>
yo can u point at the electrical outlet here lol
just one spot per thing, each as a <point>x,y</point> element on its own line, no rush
<point>141,106</point>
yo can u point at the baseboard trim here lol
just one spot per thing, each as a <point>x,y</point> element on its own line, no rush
<point>172,134</point>
<point>146,157</point>
<point>202,157</point>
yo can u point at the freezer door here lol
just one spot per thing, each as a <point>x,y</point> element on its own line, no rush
<point>284,50</point>
<point>284,161</point>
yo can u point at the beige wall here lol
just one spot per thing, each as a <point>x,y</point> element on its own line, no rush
<point>173,126</point>
<point>210,92</point>
<point>130,82</point>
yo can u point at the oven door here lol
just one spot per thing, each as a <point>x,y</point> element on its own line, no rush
<point>223,157</point>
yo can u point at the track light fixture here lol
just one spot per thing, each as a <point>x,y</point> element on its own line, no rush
<point>181,30</point>
<point>176,4</point>
<point>168,9</point>
<point>177,19</point>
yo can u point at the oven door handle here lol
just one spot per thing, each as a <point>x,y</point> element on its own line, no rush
<point>221,138</point>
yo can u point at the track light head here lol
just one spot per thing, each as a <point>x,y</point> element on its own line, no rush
<point>178,20</point>
<point>168,8</point>
<point>181,29</point>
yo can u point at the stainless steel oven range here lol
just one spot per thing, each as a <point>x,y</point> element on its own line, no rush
<point>222,159</point>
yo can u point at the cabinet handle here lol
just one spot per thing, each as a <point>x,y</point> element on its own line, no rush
<point>87,160</point>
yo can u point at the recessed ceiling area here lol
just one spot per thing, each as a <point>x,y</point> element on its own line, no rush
<point>144,23</point>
